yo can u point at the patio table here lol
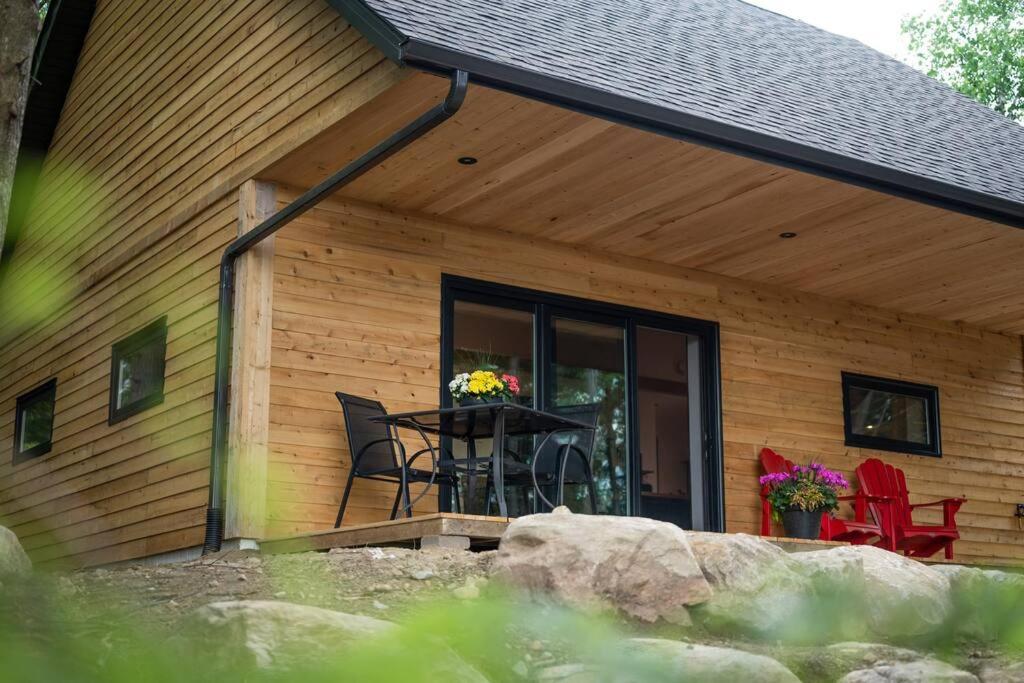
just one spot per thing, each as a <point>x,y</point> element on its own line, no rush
<point>469,423</point>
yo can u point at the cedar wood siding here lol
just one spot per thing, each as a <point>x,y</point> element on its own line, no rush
<point>172,107</point>
<point>357,308</point>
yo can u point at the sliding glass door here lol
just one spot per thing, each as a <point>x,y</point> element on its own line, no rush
<point>651,380</point>
<point>587,366</point>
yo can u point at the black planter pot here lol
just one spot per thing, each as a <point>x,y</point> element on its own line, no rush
<point>475,401</point>
<point>801,523</point>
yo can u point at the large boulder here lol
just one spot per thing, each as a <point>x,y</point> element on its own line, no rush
<point>1002,672</point>
<point>901,597</point>
<point>641,567</point>
<point>986,602</point>
<point>13,560</point>
<point>282,637</point>
<point>931,670</point>
<point>692,662</point>
<point>271,634</point>
<point>756,587</point>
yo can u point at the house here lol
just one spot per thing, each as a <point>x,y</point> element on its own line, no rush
<point>725,227</point>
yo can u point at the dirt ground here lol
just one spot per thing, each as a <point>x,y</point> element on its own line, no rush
<point>380,582</point>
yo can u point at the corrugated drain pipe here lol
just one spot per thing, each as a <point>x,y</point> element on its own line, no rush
<point>397,141</point>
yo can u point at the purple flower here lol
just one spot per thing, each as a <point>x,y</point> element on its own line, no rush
<point>774,478</point>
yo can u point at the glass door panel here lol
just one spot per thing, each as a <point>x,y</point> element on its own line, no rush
<point>588,367</point>
<point>500,339</point>
<point>669,426</point>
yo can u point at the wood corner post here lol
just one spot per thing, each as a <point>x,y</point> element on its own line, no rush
<point>249,424</point>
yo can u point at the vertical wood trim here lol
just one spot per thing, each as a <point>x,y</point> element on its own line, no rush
<point>249,429</point>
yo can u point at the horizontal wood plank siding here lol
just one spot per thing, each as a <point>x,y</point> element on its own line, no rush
<point>173,106</point>
<point>356,308</point>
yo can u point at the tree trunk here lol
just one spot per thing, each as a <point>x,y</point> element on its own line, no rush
<point>19,30</point>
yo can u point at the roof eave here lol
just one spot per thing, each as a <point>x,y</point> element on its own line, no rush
<point>434,58</point>
<point>378,30</point>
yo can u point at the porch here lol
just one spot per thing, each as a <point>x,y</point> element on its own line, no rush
<point>561,203</point>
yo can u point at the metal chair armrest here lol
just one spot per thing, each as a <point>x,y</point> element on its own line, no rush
<point>362,451</point>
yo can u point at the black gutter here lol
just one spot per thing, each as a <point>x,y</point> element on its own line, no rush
<point>710,133</point>
<point>396,142</point>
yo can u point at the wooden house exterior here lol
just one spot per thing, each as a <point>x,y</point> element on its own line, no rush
<point>188,124</point>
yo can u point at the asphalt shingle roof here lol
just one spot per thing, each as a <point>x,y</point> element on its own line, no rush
<point>732,62</point>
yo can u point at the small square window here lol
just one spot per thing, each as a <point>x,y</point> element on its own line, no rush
<point>33,422</point>
<point>137,371</point>
<point>891,415</point>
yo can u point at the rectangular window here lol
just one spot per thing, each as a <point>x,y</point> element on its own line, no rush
<point>137,371</point>
<point>33,422</point>
<point>891,415</point>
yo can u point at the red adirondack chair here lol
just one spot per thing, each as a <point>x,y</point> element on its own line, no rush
<point>915,540</point>
<point>858,531</point>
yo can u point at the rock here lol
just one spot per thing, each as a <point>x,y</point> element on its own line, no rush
<point>755,584</point>
<point>422,574</point>
<point>691,662</point>
<point>1002,673</point>
<point>834,661</point>
<point>640,567</point>
<point>280,634</point>
<point>931,670</point>
<point>901,597</point>
<point>864,655</point>
<point>13,560</point>
<point>568,673</point>
<point>986,602</point>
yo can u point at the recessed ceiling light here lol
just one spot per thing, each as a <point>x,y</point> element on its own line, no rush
<point>787,235</point>
<point>467,161</point>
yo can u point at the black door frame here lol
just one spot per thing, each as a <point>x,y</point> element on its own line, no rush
<point>541,304</point>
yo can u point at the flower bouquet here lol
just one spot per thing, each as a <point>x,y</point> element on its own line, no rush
<point>800,497</point>
<point>483,386</point>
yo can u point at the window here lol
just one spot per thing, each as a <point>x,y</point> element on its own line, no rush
<point>137,371</point>
<point>891,415</point>
<point>33,422</point>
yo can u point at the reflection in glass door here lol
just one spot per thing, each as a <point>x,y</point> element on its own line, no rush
<point>588,367</point>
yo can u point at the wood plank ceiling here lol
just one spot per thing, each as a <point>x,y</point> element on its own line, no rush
<point>560,175</point>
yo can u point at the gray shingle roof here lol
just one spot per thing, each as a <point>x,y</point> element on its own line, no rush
<point>737,64</point>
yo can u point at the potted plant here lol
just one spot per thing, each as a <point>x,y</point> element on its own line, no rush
<point>483,386</point>
<point>800,497</point>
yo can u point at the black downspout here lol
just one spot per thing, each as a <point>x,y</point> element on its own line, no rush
<point>397,141</point>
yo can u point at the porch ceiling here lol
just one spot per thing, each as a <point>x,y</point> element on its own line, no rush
<point>560,175</point>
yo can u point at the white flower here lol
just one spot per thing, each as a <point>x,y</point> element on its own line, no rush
<point>459,386</point>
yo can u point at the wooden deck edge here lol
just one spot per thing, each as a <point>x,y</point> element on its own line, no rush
<point>391,532</point>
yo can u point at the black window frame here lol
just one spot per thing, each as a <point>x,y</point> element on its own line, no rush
<point>47,388</point>
<point>542,304</point>
<point>155,332</point>
<point>928,392</point>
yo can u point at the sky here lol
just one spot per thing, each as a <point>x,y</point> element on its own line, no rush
<point>874,22</point>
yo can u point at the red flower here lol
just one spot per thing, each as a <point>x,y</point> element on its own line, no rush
<point>512,383</point>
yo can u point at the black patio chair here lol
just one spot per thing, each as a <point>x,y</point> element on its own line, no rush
<point>378,454</point>
<point>562,458</point>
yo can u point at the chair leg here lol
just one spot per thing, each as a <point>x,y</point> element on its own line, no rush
<point>344,498</point>
<point>487,494</point>
<point>949,550</point>
<point>457,494</point>
<point>591,489</point>
<point>394,508</point>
